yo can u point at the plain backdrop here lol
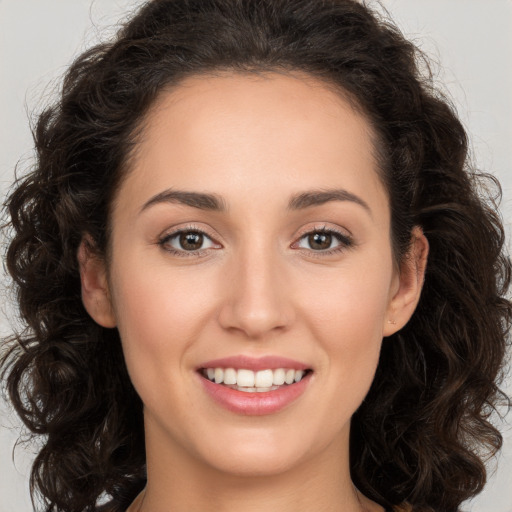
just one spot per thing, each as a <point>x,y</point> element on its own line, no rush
<point>471,39</point>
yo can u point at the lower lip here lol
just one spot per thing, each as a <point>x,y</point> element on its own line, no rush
<point>255,404</point>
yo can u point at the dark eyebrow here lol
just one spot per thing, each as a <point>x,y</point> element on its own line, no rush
<point>212,202</point>
<point>199,200</point>
<point>318,197</point>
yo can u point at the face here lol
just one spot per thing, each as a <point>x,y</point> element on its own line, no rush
<point>253,226</point>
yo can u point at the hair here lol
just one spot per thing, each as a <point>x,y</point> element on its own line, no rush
<point>423,433</point>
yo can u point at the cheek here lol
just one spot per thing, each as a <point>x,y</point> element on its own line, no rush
<point>346,313</point>
<point>348,300</point>
<point>160,317</point>
<point>158,297</point>
<point>159,314</point>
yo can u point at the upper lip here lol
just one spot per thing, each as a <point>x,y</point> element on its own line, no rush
<point>254,363</point>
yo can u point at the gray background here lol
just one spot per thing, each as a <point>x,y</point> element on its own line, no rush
<point>472,39</point>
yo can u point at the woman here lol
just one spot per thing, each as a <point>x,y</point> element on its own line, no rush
<point>256,271</point>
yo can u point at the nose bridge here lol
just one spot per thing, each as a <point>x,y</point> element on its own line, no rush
<point>256,302</point>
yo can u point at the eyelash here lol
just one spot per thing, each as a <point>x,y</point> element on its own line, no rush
<point>345,242</point>
<point>183,253</point>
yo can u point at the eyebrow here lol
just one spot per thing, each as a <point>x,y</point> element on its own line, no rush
<point>213,202</point>
<point>319,197</point>
<point>199,200</point>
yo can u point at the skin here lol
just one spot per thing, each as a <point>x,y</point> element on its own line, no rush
<point>257,288</point>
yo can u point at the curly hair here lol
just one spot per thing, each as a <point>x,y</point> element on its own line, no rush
<point>423,433</point>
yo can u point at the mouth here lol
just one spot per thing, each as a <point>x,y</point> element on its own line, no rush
<point>249,381</point>
<point>255,391</point>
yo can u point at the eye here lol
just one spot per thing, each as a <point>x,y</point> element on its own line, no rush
<point>187,241</point>
<point>324,240</point>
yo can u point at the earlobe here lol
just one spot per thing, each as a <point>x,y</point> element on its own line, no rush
<point>95,290</point>
<point>410,283</point>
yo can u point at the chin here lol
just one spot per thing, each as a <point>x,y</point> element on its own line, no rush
<point>264,465</point>
<point>257,454</point>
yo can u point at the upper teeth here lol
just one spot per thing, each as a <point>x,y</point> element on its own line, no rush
<point>259,379</point>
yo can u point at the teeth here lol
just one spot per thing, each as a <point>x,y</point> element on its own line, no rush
<point>253,389</point>
<point>264,379</point>
<point>247,380</point>
<point>279,377</point>
<point>229,376</point>
<point>219,375</point>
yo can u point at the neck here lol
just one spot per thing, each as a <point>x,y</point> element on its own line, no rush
<point>363,504</point>
<point>178,482</point>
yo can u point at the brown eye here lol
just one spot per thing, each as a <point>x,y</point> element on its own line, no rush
<point>324,241</point>
<point>320,241</point>
<point>187,241</point>
<point>191,241</point>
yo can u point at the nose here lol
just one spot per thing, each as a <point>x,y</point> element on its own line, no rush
<point>258,300</point>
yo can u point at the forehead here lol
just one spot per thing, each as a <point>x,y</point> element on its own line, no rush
<point>238,130</point>
<point>270,101</point>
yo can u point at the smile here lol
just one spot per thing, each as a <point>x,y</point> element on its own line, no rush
<point>254,392</point>
<point>253,381</point>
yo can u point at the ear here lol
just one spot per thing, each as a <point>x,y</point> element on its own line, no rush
<point>95,289</point>
<point>409,283</point>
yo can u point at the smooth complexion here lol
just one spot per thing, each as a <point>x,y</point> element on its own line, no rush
<point>288,255</point>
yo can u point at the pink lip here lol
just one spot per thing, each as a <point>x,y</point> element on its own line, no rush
<point>254,404</point>
<point>254,363</point>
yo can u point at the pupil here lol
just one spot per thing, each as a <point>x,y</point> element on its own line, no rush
<point>320,241</point>
<point>191,241</point>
